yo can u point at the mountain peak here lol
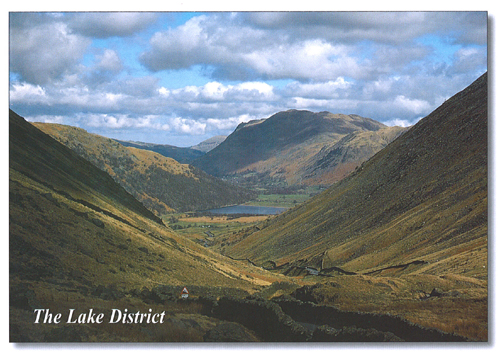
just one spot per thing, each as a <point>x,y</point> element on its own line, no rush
<point>277,148</point>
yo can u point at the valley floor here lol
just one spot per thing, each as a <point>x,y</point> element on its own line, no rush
<point>344,308</point>
<point>452,303</point>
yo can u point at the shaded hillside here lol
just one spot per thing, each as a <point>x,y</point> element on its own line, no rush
<point>161,184</point>
<point>182,155</point>
<point>419,205</point>
<point>78,240</point>
<point>43,160</point>
<point>209,144</point>
<point>274,151</point>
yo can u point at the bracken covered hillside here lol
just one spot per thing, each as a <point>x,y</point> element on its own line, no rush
<point>162,184</point>
<point>333,163</point>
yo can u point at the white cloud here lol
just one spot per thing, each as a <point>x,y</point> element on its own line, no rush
<point>329,89</point>
<point>308,103</point>
<point>164,91</point>
<point>214,91</point>
<point>400,122</point>
<point>27,93</point>
<point>187,126</point>
<point>109,61</point>
<point>205,41</point>
<point>47,119</point>
<point>415,106</point>
<point>260,87</point>
<point>227,124</point>
<point>122,121</point>
<point>251,91</point>
<point>109,121</point>
<point>177,48</point>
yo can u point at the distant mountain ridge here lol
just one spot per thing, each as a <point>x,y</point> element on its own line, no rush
<point>180,154</point>
<point>281,149</point>
<point>162,184</point>
<point>209,144</point>
<point>184,155</point>
<point>422,199</point>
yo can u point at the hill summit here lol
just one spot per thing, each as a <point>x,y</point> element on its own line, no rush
<point>281,150</point>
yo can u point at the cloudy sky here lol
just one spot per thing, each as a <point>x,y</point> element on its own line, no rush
<point>181,77</point>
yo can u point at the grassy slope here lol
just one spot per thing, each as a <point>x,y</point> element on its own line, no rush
<point>160,183</point>
<point>73,229</point>
<point>333,163</point>
<point>424,197</point>
<point>55,193</point>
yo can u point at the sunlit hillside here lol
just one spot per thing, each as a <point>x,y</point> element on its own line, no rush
<point>162,184</point>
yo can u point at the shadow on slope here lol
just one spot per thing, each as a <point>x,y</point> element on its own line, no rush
<point>424,197</point>
<point>78,240</point>
<point>162,184</point>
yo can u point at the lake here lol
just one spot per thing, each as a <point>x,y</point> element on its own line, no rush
<point>247,209</point>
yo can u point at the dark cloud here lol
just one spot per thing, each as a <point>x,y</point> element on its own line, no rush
<point>26,20</point>
<point>45,51</point>
<point>110,24</point>
<point>384,27</point>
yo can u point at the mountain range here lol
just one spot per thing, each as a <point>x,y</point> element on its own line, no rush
<point>181,154</point>
<point>399,239</point>
<point>209,144</point>
<point>78,240</point>
<point>289,149</point>
<point>423,199</point>
<point>162,184</point>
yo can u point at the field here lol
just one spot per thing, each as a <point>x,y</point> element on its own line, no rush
<point>206,229</point>
<point>210,230</point>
